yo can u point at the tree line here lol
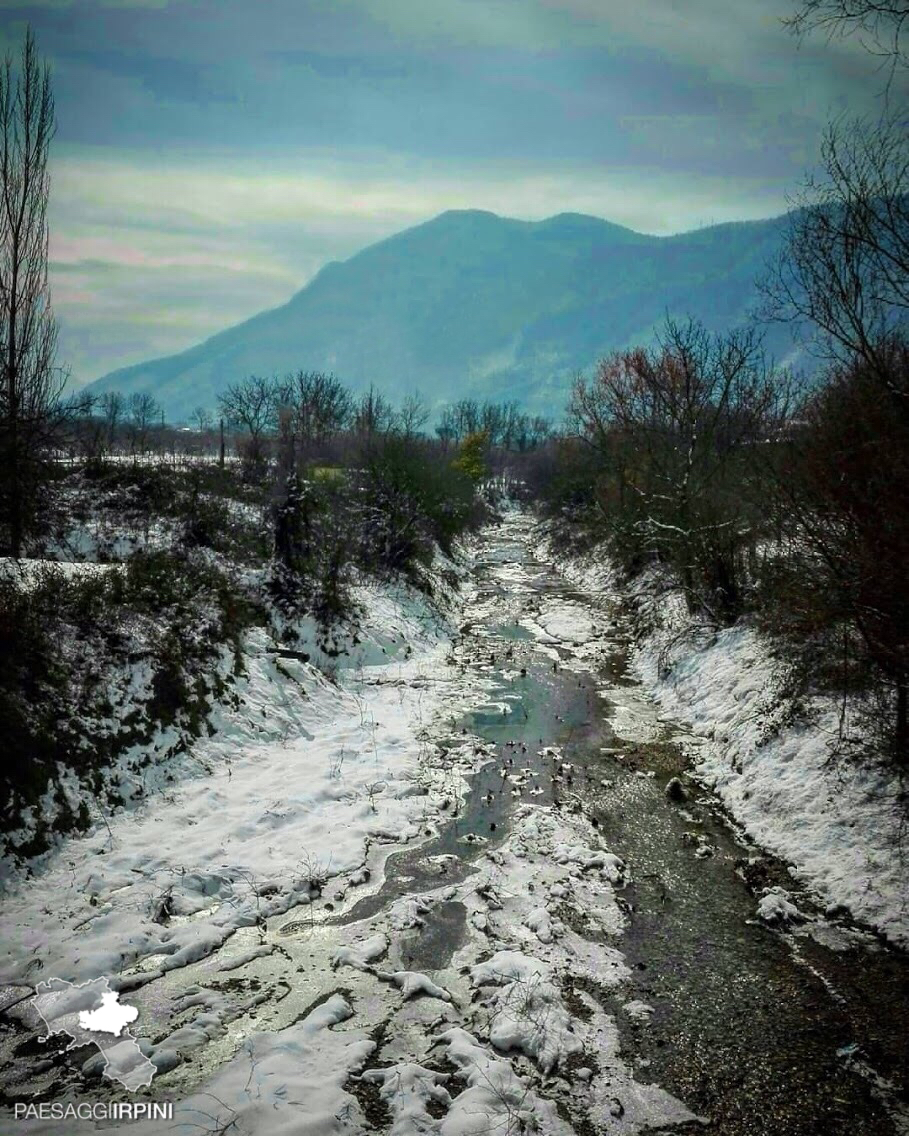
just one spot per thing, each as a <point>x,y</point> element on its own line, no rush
<point>762,493</point>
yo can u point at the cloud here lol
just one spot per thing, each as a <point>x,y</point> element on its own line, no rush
<point>213,155</point>
<point>13,5</point>
<point>322,191</point>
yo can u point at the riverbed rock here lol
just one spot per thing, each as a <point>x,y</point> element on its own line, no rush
<point>676,791</point>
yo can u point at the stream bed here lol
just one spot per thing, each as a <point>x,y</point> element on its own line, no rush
<point>797,1031</point>
<point>801,1031</point>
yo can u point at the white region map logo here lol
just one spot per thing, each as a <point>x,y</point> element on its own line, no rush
<point>91,1012</point>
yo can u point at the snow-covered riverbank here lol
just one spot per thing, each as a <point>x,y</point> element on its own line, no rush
<point>840,825</point>
<point>227,907</point>
<point>306,780</point>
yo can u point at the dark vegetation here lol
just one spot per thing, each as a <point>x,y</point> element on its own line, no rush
<point>763,496</point>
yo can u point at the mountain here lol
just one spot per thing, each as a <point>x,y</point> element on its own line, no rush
<point>475,304</point>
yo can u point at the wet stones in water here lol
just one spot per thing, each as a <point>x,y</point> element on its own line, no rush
<point>473,838</point>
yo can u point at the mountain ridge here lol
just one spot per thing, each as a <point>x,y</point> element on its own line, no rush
<point>473,304</point>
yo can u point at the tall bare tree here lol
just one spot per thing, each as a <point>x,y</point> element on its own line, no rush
<point>413,416</point>
<point>844,267</point>
<point>251,406</point>
<point>373,414</point>
<point>144,413</point>
<point>202,419</point>
<point>30,385</point>
<point>321,404</point>
<point>112,409</point>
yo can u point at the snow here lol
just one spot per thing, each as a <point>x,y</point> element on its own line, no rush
<point>560,622</point>
<point>411,984</point>
<point>227,901</point>
<point>281,1081</point>
<point>776,907</point>
<point>496,1098</point>
<point>637,1010</point>
<point>308,781</point>
<point>507,967</point>
<point>407,1089</point>
<point>360,955</point>
<point>29,572</point>
<point>530,1017</point>
<point>837,824</point>
<point>240,960</point>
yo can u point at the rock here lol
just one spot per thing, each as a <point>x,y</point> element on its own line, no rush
<point>676,791</point>
<point>776,908</point>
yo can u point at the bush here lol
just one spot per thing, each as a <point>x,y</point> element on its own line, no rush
<point>842,492</point>
<point>411,499</point>
<point>313,539</point>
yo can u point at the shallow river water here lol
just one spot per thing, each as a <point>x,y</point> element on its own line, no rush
<point>762,1032</point>
<point>756,1031</point>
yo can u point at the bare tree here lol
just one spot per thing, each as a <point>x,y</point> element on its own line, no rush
<point>321,404</point>
<point>841,493</point>
<point>112,408</point>
<point>413,416</point>
<point>252,407</point>
<point>838,580</point>
<point>30,385</point>
<point>879,24</point>
<point>539,429</point>
<point>844,267</point>
<point>459,420</point>
<point>373,414</point>
<point>144,412</point>
<point>675,429</point>
<point>202,417</point>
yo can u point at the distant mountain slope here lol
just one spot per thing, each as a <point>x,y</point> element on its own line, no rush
<point>474,304</point>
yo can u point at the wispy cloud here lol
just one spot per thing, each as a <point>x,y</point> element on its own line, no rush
<point>213,154</point>
<point>181,251</point>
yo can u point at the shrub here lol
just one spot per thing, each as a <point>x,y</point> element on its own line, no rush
<point>409,500</point>
<point>842,490</point>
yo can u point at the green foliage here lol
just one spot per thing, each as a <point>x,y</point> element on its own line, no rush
<point>471,459</point>
<point>411,500</point>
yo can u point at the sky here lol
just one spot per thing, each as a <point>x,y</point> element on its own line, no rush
<point>211,155</point>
